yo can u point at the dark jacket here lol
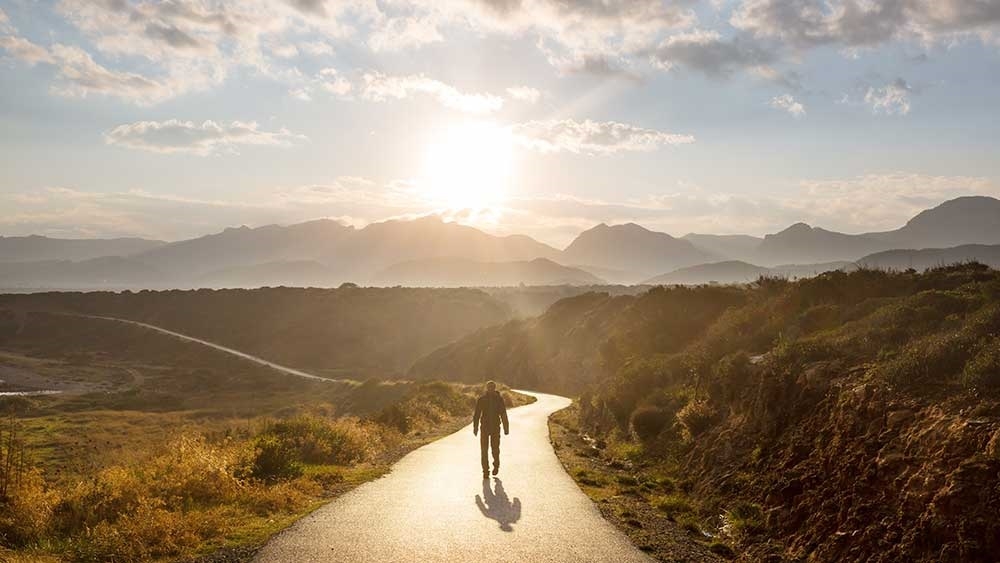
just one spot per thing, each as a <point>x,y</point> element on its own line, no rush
<point>490,412</point>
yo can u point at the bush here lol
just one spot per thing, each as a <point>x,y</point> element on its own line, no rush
<point>696,417</point>
<point>312,439</point>
<point>26,513</point>
<point>273,460</point>
<point>648,421</point>
<point>982,373</point>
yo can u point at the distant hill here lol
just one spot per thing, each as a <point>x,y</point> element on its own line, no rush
<point>732,271</point>
<point>735,271</point>
<point>37,248</point>
<point>243,246</point>
<point>308,273</point>
<point>110,271</point>
<point>963,220</point>
<point>933,257</point>
<point>735,247</point>
<point>328,253</point>
<point>801,243</point>
<point>349,253</point>
<point>634,249</point>
<point>459,272</point>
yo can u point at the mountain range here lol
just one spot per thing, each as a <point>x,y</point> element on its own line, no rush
<point>430,251</point>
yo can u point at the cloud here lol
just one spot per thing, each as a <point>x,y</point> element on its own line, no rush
<point>398,34</point>
<point>592,137</point>
<point>864,23</point>
<point>81,76</point>
<point>524,94</point>
<point>331,81</point>
<point>710,53</point>
<point>379,87</point>
<point>786,102</point>
<point>202,139</point>
<point>891,99</point>
<point>25,50</point>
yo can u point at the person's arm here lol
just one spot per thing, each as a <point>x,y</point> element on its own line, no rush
<point>503,416</point>
<point>475,417</point>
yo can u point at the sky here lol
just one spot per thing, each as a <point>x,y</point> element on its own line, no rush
<point>179,118</point>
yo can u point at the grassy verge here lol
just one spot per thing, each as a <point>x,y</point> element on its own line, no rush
<point>650,506</point>
<point>204,496</point>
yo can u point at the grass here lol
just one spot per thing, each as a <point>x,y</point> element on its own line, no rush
<point>165,455</point>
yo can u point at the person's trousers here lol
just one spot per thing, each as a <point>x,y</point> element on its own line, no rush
<point>489,440</point>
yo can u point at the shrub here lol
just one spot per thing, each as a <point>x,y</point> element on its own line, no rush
<point>26,513</point>
<point>696,417</point>
<point>312,439</point>
<point>982,373</point>
<point>648,421</point>
<point>273,460</point>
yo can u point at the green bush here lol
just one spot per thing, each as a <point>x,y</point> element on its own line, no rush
<point>274,460</point>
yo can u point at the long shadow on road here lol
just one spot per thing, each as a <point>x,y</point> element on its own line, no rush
<point>495,505</point>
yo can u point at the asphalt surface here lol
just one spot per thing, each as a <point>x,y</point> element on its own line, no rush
<point>435,506</point>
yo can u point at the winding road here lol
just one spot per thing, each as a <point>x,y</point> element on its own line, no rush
<point>435,506</point>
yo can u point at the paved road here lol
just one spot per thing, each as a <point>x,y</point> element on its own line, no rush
<point>435,506</point>
<point>244,355</point>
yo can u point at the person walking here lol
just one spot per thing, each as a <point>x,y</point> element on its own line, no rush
<point>490,413</point>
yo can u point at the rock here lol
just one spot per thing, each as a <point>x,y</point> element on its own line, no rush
<point>897,418</point>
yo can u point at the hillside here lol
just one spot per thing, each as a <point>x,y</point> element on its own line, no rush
<point>960,221</point>
<point>632,249</point>
<point>109,271</point>
<point>301,273</point>
<point>733,247</point>
<point>346,332</point>
<point>934,257</point>
<point>457,272</point>
<point>801,243</point>
<point>851,416</point>
<point>38,248</point>
<point>732,271</point>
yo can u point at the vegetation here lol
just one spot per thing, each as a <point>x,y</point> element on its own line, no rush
<point>164,449</point>
<point>345,332</point>
<point>848,416</point>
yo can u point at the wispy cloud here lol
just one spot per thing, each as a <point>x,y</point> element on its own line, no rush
<point>593,137</point>
<point>524,94</point>
<point>787,102</point>
<point>208,137</point>
<point>378,87</point>
<point>891,99</point>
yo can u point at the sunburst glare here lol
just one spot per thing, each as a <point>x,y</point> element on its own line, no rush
<point>468,166</point>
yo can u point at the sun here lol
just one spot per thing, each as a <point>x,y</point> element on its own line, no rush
<point>468,166</point>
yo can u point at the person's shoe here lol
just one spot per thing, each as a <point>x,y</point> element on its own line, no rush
<point>486,474</point>
<point>496,469</point>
